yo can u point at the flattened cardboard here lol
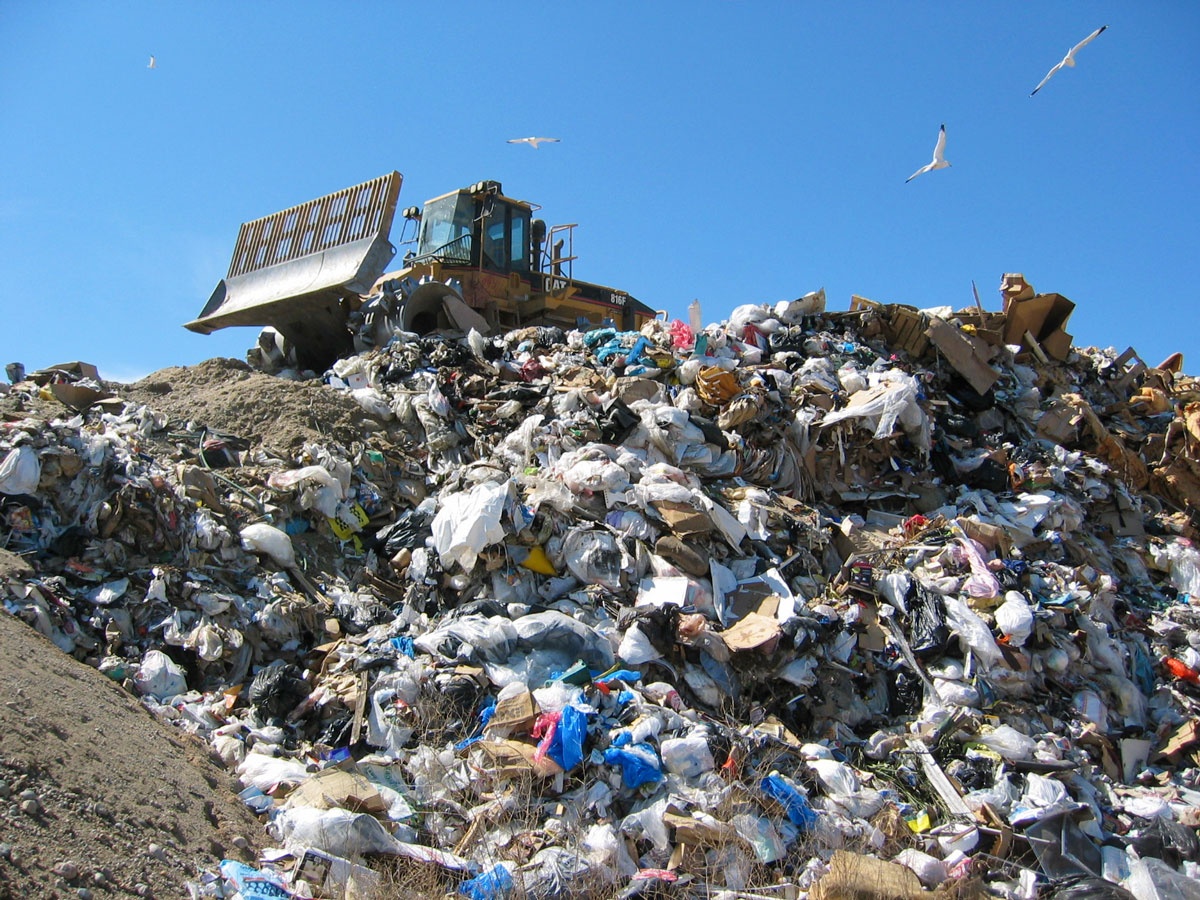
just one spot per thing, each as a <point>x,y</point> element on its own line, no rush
<point>514,757</point>
<point>694,831</point>
<point>855,877</point>
<point>683,519</point>
<point>753,632</point>
<point>1119,516</point>
<point>463,317</point>
<point>77,396</point>
<point>339,788</point>
<point>962,355</point>
<point>750,597</point>
<point>1060,423</point>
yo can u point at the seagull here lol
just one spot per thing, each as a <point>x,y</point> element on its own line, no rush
<point>939,158</point>
<point>534,141</point>
<point>1069,59</point>
<point>153,64</point>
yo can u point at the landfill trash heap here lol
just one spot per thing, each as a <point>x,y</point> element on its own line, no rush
<point>884,602</point>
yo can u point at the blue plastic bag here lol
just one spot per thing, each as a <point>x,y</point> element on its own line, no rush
<point>490,885</point>
<point>639,764</point>
<point>566,748</point>
<point>795,804</point>
<point>254,884</point>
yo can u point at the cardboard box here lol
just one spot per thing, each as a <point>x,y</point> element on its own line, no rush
<point>1045,317</point>
<point>514,715</point>
<point>73,370</point>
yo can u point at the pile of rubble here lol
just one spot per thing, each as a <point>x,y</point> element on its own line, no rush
<point>885,601</point>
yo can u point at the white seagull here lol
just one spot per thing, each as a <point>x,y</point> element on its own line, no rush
<point>939,157</point>
<point>153,64</point>
<point>1069,59</point>
<point>534,141</point>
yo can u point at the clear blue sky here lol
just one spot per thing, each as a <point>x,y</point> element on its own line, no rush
<point>730,152</point>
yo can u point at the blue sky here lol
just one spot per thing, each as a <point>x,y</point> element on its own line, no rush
<point>727,152</point>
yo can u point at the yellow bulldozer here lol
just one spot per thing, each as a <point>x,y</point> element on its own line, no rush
<point>317,273</point>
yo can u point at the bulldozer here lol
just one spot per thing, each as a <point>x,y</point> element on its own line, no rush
<point>315,275</point>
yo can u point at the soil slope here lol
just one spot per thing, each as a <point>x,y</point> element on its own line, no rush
<point>97,797</point>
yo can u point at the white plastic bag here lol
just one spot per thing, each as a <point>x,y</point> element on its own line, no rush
<point>318,488</point>
<point>836,777</point>
<point>1008,742</point>
<point>264,772</point>
<point>687,756</point>
<point>372,402</point>
<point>929,869</point>
<point>972,629</point>
<point>263,538</point>
<point>1014,617</point>
<point>468,522</point>
<point>159,676</point>
<point>21,471</point>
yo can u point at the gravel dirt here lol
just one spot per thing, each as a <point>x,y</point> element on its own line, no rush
<point>96,795</point>
<point>229,397</point>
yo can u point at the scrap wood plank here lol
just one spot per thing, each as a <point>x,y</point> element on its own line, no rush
<point>360,709</point>
<point>941,783</point>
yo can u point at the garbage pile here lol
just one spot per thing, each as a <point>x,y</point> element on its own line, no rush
<point>804,602</point>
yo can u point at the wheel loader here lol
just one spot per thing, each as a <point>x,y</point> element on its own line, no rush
<point>316,273</point>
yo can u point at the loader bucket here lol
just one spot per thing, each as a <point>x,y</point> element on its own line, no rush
<point>297,269</point>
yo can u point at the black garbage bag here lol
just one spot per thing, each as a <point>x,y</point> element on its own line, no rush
<point>617,421</point>
<point>1086,887</point>
<point>1168,840</point>
<point>906,692</point>
<point>928,634</point>
<point>1009,579</point>
<point>277,690</point>
<point>990,476</point>
<point>408,532</point>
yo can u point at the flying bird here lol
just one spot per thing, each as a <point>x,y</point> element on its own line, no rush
<point>939,157</point>
<point>1069,59</point>
<point>153,64</point>
<point>534,141</point>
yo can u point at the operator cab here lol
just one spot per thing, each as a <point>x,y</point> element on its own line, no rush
<point>478,227</point>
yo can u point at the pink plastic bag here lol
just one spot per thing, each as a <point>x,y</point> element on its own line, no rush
<point>682,337</point>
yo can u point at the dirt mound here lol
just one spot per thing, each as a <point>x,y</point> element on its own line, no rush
<point>95,793</point>
<point>227,396</point>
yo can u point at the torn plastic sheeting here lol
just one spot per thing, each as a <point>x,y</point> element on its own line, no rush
<point>347,834</point>
<point>552,631</point>
<point>1184,566</point>
<point>892,400</point>
<point>490,885</point>
<point>687,756</point>
<point>268,772</point>
<point>972,630</point>
<point>638,763</point>
<point>1153,879</point>
<point>565,746</point>
<point>468,522</point>
<point>1008,742</point>
<point>472,638</point>
<point>595,557</point>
